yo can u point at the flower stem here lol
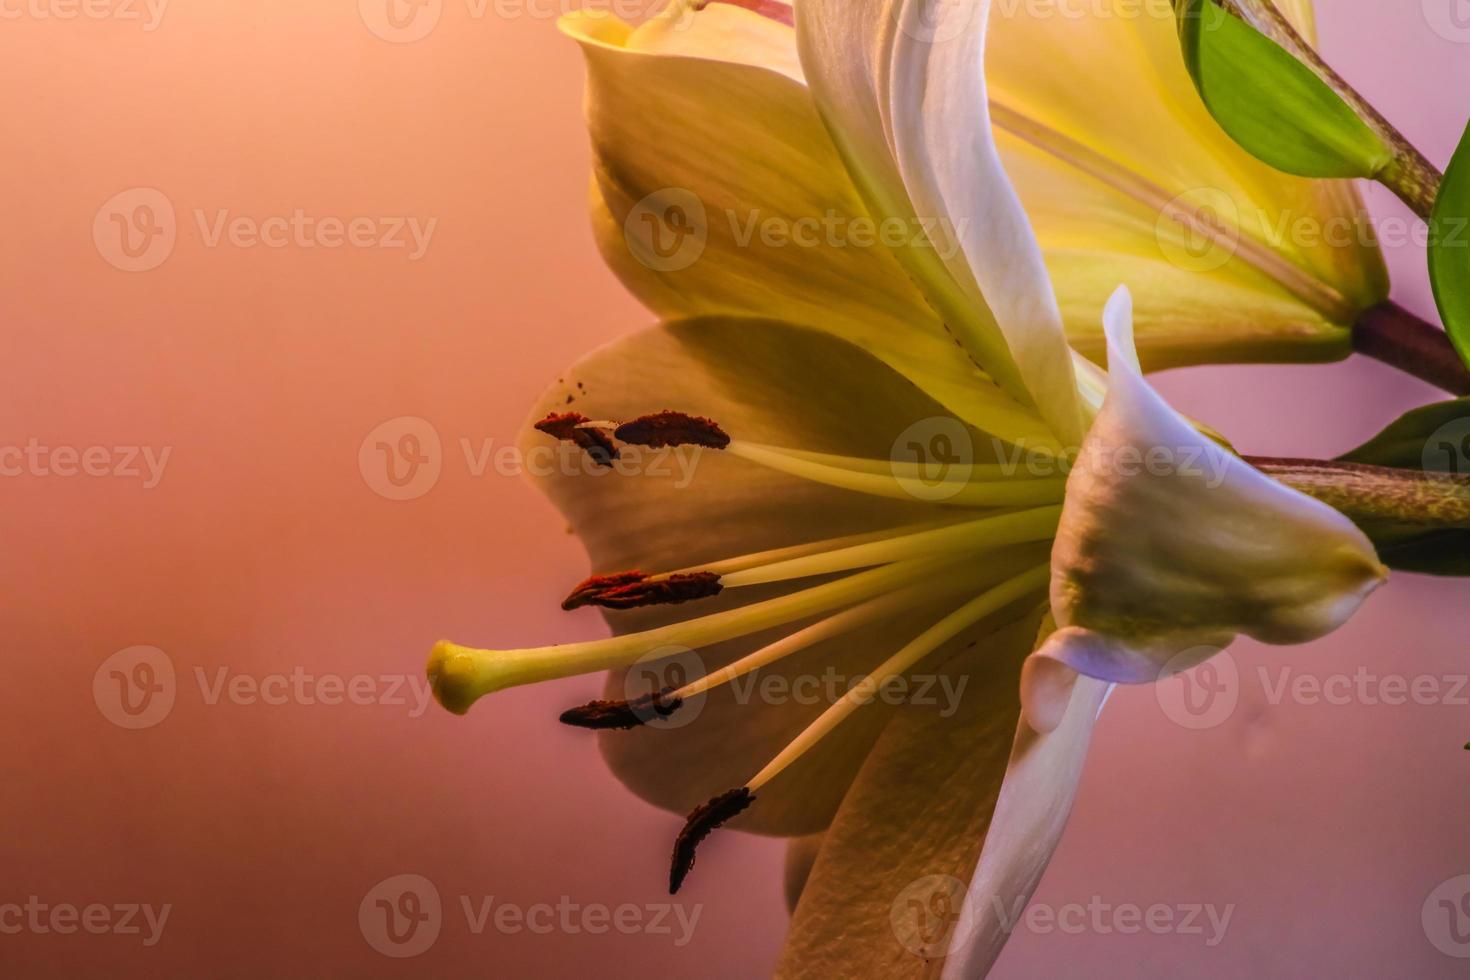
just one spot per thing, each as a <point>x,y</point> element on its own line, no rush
<point>1409,174</point>
<point>1391,334</point>
<point>1376,494</point>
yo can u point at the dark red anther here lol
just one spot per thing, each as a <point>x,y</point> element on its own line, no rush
<point>673,429</point>
<point>594,442</point>
<point>704,820</point>
<point>587,592</point>
<point>617,715</point>
<point>562,425</point>
<point>631,590</point>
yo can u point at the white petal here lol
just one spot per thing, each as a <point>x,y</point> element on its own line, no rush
<point>901,87</point>
<point>948,157</point>
<point>1170,546</point>
<point>1035,801</point>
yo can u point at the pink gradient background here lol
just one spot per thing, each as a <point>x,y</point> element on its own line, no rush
<point>263,549</point>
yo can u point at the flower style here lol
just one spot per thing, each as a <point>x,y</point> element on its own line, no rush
<point>815,540</point>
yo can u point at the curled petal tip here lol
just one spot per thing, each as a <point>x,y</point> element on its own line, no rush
<point>1046,690</point>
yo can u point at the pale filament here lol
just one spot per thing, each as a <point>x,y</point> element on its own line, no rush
<point>946,629</point>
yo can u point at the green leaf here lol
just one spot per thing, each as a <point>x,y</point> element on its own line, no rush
<point>1449,249</point>
<point>1442,552</point>
<point>1435,438</point>
<point>1275,107</point>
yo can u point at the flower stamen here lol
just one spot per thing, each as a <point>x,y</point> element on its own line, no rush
<point>632,590</point>
<point>703,821</point>
<point>700,822</point>
<point>613,715</point>
<point>983,485</point>
<point>568,427</point>
<point>998,492</point>
<point>629,590</point>
<point>664,429</point>
<point>664,703</point>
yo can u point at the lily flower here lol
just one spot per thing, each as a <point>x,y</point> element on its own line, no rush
<point>820,536</point>
<point>1123,172</point>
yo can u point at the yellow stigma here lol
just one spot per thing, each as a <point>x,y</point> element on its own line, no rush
<point>458,676</point>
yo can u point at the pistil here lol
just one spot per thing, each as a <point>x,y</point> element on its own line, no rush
<point>460,676</point>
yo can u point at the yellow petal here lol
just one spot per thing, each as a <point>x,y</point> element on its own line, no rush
<point>1280,266</point>
<point>718,32</point>
<point>718,192</point>
<point>905,842</point>
<point>1112,152</point>
<point>801,854</point>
